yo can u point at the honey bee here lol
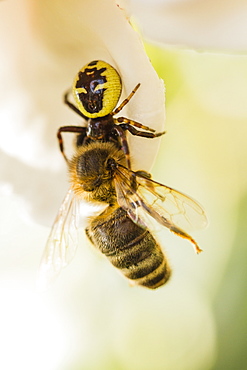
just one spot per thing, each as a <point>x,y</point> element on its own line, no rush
<point>98,173</point>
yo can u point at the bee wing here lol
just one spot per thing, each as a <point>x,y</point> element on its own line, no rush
<point>128,198</point>
<point>139,195</point>
<point>62,241</point>
<point>180,209</point>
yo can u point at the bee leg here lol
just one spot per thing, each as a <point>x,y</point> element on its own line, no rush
<point>120,107</point>
<point>76,129</point>
<point>124,143</point>
<point>143,174</point>
<point>72,106</point>
<point>184,235</point>
<point>134,131</point>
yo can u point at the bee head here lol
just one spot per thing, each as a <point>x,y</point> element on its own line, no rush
<point>92,168</point>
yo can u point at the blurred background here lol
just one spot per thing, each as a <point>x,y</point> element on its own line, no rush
<point>91,319</point>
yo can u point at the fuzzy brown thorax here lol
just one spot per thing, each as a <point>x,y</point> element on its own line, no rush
<point>91,174</point>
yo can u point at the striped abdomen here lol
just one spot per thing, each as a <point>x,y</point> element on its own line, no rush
<point>129,247</point>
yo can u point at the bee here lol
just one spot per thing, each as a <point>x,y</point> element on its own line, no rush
<point>98,173</point>
<point>96,89</point>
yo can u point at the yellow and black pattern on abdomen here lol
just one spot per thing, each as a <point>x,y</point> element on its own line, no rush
<point>96,89</point>
<point>87,85</point>
<point>130,248</point>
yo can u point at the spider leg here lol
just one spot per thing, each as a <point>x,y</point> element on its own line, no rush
<point>125,147</point>
<point>75,129</point>
<point>134,123</point>
<point>120,107</point>
<point>134,131</point>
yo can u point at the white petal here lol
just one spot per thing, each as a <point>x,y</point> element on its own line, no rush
<point>205,24</point>
<point>39,62</point>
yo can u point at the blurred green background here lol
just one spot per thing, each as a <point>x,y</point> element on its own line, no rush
<point>205,151</point>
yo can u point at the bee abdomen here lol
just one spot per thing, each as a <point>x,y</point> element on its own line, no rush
<point>142,261</point>
<point>131,249</point>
